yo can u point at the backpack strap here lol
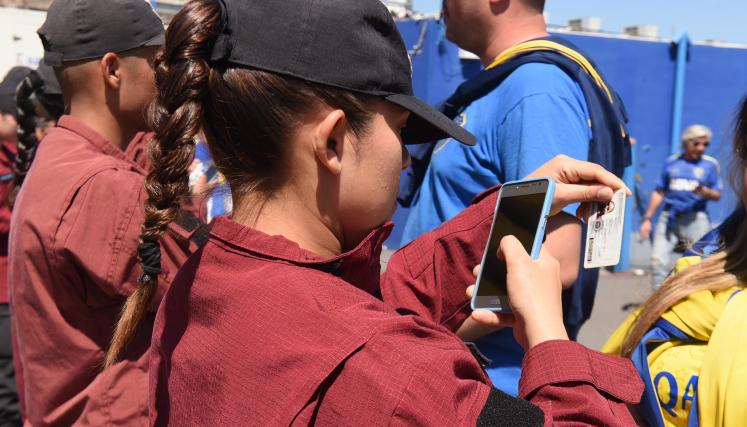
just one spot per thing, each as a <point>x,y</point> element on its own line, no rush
<point>552,46</point>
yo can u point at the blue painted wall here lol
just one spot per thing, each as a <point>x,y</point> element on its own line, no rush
<point>642,72</point>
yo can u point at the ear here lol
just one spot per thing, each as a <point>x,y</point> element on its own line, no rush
<point>329,140</point>
<point>111,70</point>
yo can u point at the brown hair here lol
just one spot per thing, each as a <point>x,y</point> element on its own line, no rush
<point>247,116</point>
<point>725,268</point>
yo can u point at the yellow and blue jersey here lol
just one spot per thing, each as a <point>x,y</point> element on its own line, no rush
<point>682,176</point>
<point>693,360</point>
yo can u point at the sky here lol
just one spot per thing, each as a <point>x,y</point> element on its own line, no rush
<point>722,20</point>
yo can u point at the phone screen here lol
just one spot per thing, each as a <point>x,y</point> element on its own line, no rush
<point>518,215</point>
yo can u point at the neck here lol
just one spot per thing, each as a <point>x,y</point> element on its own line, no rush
<point>511,33</point>
<point>105,123</point>
<point>290,217</point>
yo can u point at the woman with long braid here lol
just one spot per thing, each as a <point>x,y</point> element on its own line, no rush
<point>279,319</point>
<point>9,119</point>
<point>38,102</point>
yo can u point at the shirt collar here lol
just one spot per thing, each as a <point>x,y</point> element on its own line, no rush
<point>360,266</point>
<point>79,127</point>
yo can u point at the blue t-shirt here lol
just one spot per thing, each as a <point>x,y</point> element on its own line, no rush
<point>681,177</point>
<point>537,113</point>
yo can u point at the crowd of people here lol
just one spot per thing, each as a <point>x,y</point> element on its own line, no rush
<point>128,297</point>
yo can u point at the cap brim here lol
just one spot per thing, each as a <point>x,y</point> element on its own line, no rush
<point>426,124</point>
<point>158,40</point>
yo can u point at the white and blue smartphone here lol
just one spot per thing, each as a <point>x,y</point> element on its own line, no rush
<point>522,211</point>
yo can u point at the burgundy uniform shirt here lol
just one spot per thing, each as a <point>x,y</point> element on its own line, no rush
<point>73,243</point>
<point>7,154</point>
<point>257,331</point>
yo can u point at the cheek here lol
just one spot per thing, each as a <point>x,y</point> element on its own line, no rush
<point>744,186</point>
<point>373,188</point>
<point>384,179</point>
<point>143,88</point>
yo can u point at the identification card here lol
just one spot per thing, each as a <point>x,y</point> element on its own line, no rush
<point>604,232</point>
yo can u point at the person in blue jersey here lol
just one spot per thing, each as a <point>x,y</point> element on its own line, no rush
<point>689,181</point>
<point>537,112</point>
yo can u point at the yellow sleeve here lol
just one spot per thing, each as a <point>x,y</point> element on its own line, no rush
<point>684,262</point>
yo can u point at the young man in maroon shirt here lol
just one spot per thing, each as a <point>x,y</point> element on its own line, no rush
<point>76,220</point>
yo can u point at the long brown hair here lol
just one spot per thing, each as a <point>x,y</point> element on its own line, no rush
<point>247,116</point>
<point>725,268</point>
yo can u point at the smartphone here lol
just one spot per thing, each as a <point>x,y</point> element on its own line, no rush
<point>522,211</point>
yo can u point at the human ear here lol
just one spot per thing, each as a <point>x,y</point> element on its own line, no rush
<point>111,70</point>
<point>329,140</point>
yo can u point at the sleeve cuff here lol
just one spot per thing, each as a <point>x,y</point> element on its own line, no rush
<point>557,362</point>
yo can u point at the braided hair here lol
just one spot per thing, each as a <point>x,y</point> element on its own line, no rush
<point>38,96</point>
<point>247,117</point>
<point>176,116</point>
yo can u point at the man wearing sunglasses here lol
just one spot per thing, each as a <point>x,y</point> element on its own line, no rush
<point>689,181</point>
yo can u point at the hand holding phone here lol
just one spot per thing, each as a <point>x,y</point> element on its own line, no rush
<point>535,289</point>
<point>521,211</point>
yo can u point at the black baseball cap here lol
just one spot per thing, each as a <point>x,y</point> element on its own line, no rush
<point>51,84</point>
<point>8,87</point>
<point>87,29</point>
<point>348,44</point>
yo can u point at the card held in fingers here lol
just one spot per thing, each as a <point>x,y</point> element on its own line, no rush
<point>604,232</point>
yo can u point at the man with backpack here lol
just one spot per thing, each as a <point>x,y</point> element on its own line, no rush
<point>537,97</point>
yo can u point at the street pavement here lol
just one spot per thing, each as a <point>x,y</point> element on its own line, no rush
<point>617,296</point>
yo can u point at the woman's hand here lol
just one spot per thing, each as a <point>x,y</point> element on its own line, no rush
<point>534,290</point>
<point>578,181</point>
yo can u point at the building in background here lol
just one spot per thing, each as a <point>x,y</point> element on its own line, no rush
<point>19,44</point>
<point>19,20</point>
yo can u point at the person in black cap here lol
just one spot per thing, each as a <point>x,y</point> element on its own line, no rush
<point>8,112</point>
<point>279,318</point>
<point>9,406</point>
<point>73,257</point>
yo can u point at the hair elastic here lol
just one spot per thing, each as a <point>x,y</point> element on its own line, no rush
<point>150,261</point>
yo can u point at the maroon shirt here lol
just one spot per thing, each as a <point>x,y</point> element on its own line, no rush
<point>7,154</point>
<point>73,242</point>
<point>257,331</point>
